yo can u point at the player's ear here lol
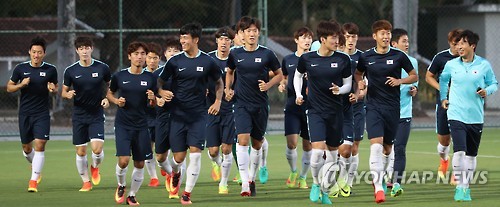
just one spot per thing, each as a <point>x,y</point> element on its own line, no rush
<point>196,40</point>
<point>322,39</point>
<point>296,41</point>
<point>374,35</point>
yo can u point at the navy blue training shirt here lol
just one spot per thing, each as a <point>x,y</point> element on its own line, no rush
<point>163,113</point>
<point>437,66</point>
<point>226,106</point>
<point>289,65</point>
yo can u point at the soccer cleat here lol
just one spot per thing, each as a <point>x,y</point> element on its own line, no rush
<point>384,185</point>
<point>173,195</point>
<point>174,182</point>
<point>345,191</point>
<point>467,197</point>
<point>292,178</point>
<point>223,189</point>
<point>120,194</point>
<point>87,186</point>
<point>216,173</point>
<point>459,194</point>
<point>253,192</point>
<point>163,172</point>
<point>167,182</point>
<point>301,183</point>
<point>453,181</point>
<point>263,175</point>
<point>237,179</point>
<point>186,198</point>
<point>334,191</point>
<point>132,202</point>
<point>379,196</point>
<point>154,182</point>
<point>314,194</point>
<point>396,190</point>
<point>39,180</point>
<point>325,199</point>
<point>443,167</point>
<point>245,190</point>
<point>96,176</point>
<point>33,186</point>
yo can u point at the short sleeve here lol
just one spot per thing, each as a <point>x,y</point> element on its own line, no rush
<point>361,66</point>
<point>107,73</point>
<point>16,76</point>
<point>53,76</point>
<point>346,71</point>
<point>283,67</point>
<point>67,81</point>
<point>230,61</point>
<point>301,66</point>
<point>168,69</point>
<point>406,63</point>
<point>434,66</point>
<point>113,85</point>
<point>215,70</point>
<point>274,63</point>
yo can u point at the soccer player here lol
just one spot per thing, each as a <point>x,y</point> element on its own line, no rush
<point>35,79</point>
<point>152,64</point>
<point>329,77</point>
<point>190,72</point>
<point>382,66</point>
<point>135,88</point>
<point>472,79</point>
<point>432,77</point>
<point>295,116</point>
<point>397,160</point>
<point>86,82</point>
<point>251,63</point>
<point>172,47</point>
<point>220,128</point>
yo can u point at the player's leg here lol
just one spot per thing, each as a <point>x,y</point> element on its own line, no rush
<point>228,140</point>
<point>259,126</point>
<point>162,144</point>
<point>474,132</point>
<point>41,130</point>
<point>213,136</point>
<point>292,130</point>
<point>96,134</point>
<point>150,164</point>
<point>123,142</point>
<point>178,144</point>
<point>141,151</point>
<point>400,143</point>
<point>306,151</point>
<point>263,171</point>
<point>317,133</point>
<point>80,140</point>
<point>375,129</point>
<point>359,115</point>
<point>334,132</point>
<point>345,150</point>
<point>243,123</point>
<point>444,140</point>
<point>26,132</point>
<point>459,133</point>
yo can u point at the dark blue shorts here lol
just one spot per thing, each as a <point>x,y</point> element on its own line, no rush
<point>359,116</point>
<point>348,124</point>
<point>403,133</point>
<point>466,137</point>
<point>442,126</point>
<point>187,131</point>
<point>325,127</point>
<point>296,121</point>
<point>152,133</point>
<point>162,142</point>
<point>382,122</point>
<point>220,129</point>
<point>251,120</point>
<point>86,128</point>
<point>133,140</point>
<point>34,127</point>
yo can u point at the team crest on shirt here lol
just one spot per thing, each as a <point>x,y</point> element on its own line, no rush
<point>144,83</point>
<point>199,69</point>
<point>225,69</point>
<point>258,60</point>
<point>334,65</point>
<point>95,75</point>
<point>390,62</point>
<point>42,74</point>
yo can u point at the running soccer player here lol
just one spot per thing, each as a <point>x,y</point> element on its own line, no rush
<point>382,65</point>
<point>89,78</point>
<point>295,115</point>
<point>397,158</point>
<point>472,79</point>
<point>190,72</point>
<point>135,88</point>
<point>220,128</point>
<point>442,126</point>
<point>251,63</point>
<point>329,78</point>
<point>35,79</point>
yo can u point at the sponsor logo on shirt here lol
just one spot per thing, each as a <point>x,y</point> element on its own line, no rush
<point>240,60</point>
<point>144,83</point>
<point>125,82</point>
<point>334,65</point>
<point>314,65</point>
<point>291,65</point>
<point>371,63</point>
<point>258,60</point>
<point>199,69</point>
<point>225,69</point>
<point>26,73</point>
<point>95,75</point>
<point>78,76</point>
<point>42,74</point>
<point>390,62</point>
<point>181,69</point>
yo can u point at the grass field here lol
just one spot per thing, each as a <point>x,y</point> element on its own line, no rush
<point>61,181</point>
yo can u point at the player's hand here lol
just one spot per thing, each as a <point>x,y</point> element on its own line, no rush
<point>229,94</point>
<point>70,94</point>
<point>105,103</point>
<point>393,82</point>
<point>361,94</point>
<point>25,82</point>
<point>282,88</point>
<point>445,104</point>
<point>353,98</point>
<point>214,108</point>
<point>263,86</point>
<point>121,102</point>
<point>160,102</point>
<point>361,85</point>
<point>51,87</point>
<point>335,89</point>
<point>151,94</point>
<point>482,93</point>
<point>299,100</point>
<point>167,95</point>
<point>413,91</point>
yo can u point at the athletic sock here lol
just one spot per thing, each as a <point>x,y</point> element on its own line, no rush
<point>390,164</point>
<point>243,160</point>
<point>458,162</point>
<point>82,167</point>
<point>151,168</point>
<point>137,178</point>
<point>29,156</point>
<point>193,171</point>
<point>255,158</point>
<point>291,157</point>
<point>353,168</point>
<point>216,159</point>
<point>265,151</point>
<point>97,159</point>
<point>120,175</point>
<point>306,163</point>
<point>165,166</point>
<point>37,165</point>
<point>443,151</point>
<point>316,160</point>
<point>227,161</point>
<point>377,165</point>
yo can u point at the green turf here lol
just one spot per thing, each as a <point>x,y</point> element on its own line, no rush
<point>61,181</point>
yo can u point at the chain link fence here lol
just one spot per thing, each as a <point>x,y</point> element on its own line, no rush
<point>113,24</point>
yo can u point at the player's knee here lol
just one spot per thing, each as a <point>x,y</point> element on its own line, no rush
<point>139,164</point>
<point>291,145</point>
<point>226,149</point>
<point>27,148</point>
<point>161,157</point>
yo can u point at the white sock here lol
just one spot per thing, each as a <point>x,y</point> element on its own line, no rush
<point>37,165</point>
<point>183,166</point>
<point>331,156</point>
<point>265,150</point>
<point>175,165</point>
<point>443,151</point>
<point>306,163</point>
<point>227,161</point>
<point>82,167</point>
<point>137,178</point>
<point>390,164</point>
<point>193,171</point>
<point>291,156</point>
<point>97,159</point>
<point>243,159</point>
<point>29,156</point>
<point>165,166</point>
<point>377,165</point>
<point>316,164</point>
<point>216,159</point>
<point>120,175</point>
<point>151,167</point>
<point>255,158</point>
<point>458,163</point>
<point>470,167</point>
<point>343,163</point>
<point>353,168</point>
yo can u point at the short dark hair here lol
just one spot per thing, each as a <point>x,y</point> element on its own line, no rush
<point>134,46</point>
<point>398,33</point>
<point>381,25</point>
<point>39,41</point>
<point>327,28</point>
<point>469,36</point>
<point>350,28</point>
<point>452,35</point>
<point>155,48</point>
<point>193,29</point>
<point>83,41</point>
<point>302,31</point>
<point>246,21</point>
<point>173,42</point>
<point>224,31</point>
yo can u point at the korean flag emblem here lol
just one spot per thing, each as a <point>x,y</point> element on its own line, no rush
<point>258,60</point>
<point>390,62</point>
<point>95,75</point>
<point>333,65</point>
<point>144,83</point>
<point>199,69</point>
<point>42,74</point>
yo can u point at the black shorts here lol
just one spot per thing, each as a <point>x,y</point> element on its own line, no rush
<point>359,116</point>
<point>187,131</point>
<point>86,128</point>
<point>220,129</point>
<point>296,121</point>
<point>133,140</point>
<point>403,133</point>
<point>466,137</point>
<point>442,125</point>
<point>325,127</point>
<point>162,142</point>
<point>34,127</point>
<point>382,122</point>
<point>251,120</point>
<point>348,124</point>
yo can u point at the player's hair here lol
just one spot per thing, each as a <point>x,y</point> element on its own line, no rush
<point>134,46</point>
<point>468,36</point>
<point>453,34</point>
<point>39,41</point>
<point>224,31</point>
<point>193,29</point>
<point>83,41</point>
<point>350,28</point>
<point>173,42</point>
<point>155,48</point>
<point>327,28</point>
<point>302,31</point>
<point>247,21</point>
<point>381,25</point>
<point>398,33</point>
